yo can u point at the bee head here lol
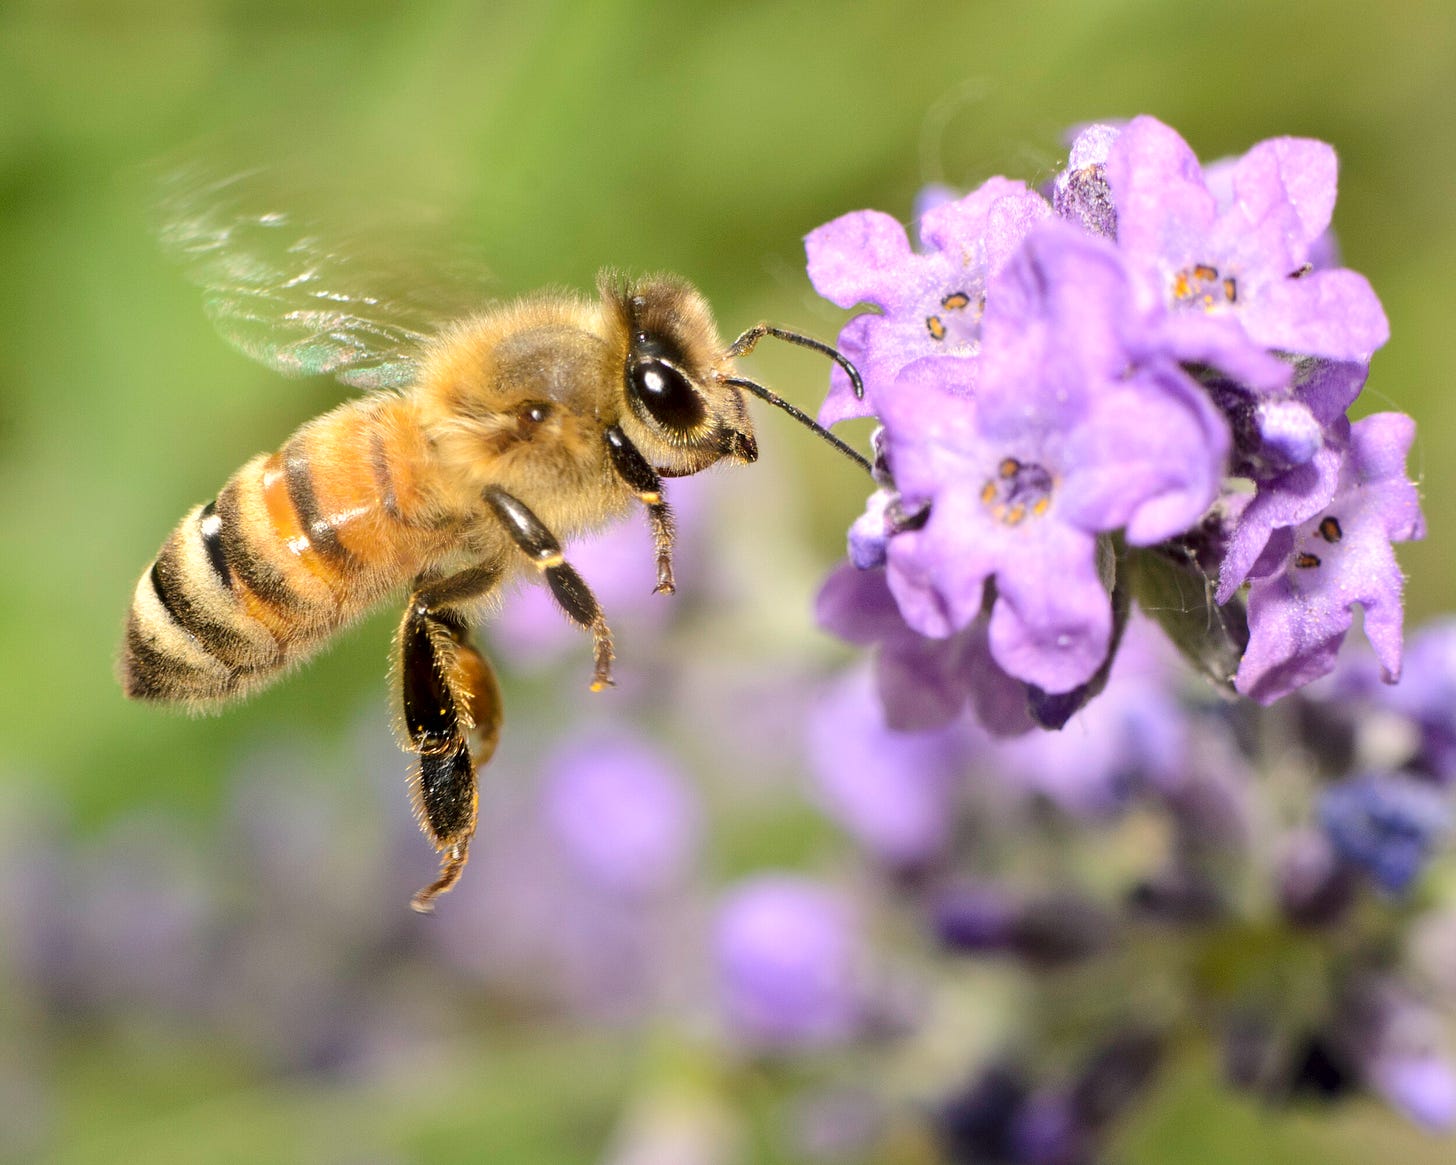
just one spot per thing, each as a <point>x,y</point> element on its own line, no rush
<point>682,415</point>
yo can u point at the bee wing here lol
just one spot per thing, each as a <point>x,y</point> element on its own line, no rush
<point>285,290</point>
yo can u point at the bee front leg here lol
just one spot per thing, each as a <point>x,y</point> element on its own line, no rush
<point>643,481</point>
<point>540,545</point>
<point>448,689</point>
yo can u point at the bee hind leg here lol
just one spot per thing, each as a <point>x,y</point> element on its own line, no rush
<point>448,691</point>
<point>538,544</point>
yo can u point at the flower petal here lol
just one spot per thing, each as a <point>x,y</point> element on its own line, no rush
<point>854,258</point>
<point>841,404</point>
<point>1052,620</point>
<point>1334,314</point>
<point>1300,173</point>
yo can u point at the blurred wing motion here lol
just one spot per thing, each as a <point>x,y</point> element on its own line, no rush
<point>308,301</point>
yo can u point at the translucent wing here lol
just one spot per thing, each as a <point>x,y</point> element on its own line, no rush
<point>305,300</point>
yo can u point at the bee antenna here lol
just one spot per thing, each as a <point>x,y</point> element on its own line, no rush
<point>749,340</point>
<point>799,415</point>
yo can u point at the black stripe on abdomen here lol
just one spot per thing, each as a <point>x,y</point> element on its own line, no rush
<point>245,563</point>
<point>149,672</point>
<point>171,585</point>
<point>209,525</point>
<point>299,476</point>
<point>383,476</point>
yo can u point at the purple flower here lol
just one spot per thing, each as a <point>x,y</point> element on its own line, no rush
<point>1048,374</point>
<point>1066,427</point>
<point>884,517</point>
<point>623,815</point>
<point>930,302</point>
<point>1293,446</point>
<point>1236,271</point>
<point>1420,1083</point>
<point>895,792</point>
<point>788,954</point>
<point>923,683</point>
<point>1311,576</point>
<point>1385,825</point>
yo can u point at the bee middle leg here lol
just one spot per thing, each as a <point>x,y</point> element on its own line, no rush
<point>449,691</point>
<point>538,544</point>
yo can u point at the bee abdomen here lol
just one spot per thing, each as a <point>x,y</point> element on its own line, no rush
<point>297,544</point>
<point>189,636</point>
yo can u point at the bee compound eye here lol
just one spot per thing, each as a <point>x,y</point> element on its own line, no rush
<point>667,395</point>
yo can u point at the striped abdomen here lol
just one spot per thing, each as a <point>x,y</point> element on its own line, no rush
<point>297,544</point>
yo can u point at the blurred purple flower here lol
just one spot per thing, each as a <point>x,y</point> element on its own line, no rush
<point>1315,887</point>
<point>1001,1119</point>
<point>556,914</point>
<point>976,1126</point>
<point>1047,930</point>
<point>928,198</point>
<point>1115,1076</point>
<point>1045,1131</point>
<point>895,792</point>
<point>1386,825</point>
<point>839,1125</point>
<point>1132,737</point>
<point>975,918</point>
<point>139,930</point>
<point>789,959</point>
<point>1397,1043</point>
<point>1421,1084</point>
<point>622,813</point>
<point>1427,696</point>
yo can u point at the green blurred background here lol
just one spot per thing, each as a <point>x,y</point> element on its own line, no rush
<point>561,137</point>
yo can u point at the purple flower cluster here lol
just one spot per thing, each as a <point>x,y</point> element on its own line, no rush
<point>1147,359</point>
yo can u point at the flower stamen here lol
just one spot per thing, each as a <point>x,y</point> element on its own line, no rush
<point>1201,286</point>
<point>1017,490</point>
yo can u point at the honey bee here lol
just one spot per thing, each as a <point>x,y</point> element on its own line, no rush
<point>486,443</point>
